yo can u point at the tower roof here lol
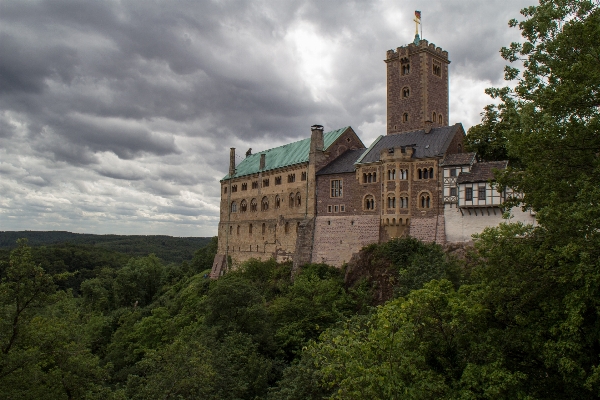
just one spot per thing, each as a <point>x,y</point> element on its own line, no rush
<point>282,156</point>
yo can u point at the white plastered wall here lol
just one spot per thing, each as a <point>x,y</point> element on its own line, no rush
<point>461,226</point>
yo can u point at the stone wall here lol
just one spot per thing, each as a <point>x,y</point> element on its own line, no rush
<point>337,238</point>
<point>428,229</point>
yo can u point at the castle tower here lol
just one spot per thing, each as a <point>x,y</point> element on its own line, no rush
<point>417,87</point>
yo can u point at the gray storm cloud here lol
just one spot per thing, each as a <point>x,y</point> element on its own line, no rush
<point>117,116</point>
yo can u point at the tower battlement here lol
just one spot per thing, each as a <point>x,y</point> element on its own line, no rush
<point>412,48</point>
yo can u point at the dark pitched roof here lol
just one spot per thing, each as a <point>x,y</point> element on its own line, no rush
<point>344,163</point>
<point>481,172</point>
<point>283,156</point>
<point>458,159</point>
<point>432,144</point>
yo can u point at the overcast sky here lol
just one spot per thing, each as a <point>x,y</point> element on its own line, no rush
<point>117,116</point>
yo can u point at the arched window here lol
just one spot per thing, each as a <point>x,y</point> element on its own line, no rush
<point>243,206</point>
<point>434,117</point>
<point>298,199</point>
<point>430,173</point>
<point>405,92</point>
<point>291,200</point>
<point>425,174</point>
<point>405,117</point>
<point>369,202</point>
<point>391,202</point>
<point>253,205</point>
<point>403,201</point>
<point>420,173</point>
<point>425,200</point>
<point>264,205</point>
<point>374,176</point>
<point>231,229</point>
<point>277,201</point>
<point>250,229</point>
<point>440,119</point>
<point>238,230</point>
<point>233,207</point>
<point>264,228</point>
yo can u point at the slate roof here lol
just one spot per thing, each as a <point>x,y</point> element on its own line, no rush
<point>458,159</point>
<point>481,172</point>
<point>282,156</point>
<point>342,164</point>
<point>432,144</point>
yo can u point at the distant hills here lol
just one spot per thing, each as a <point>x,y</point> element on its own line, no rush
<point>167,248</point>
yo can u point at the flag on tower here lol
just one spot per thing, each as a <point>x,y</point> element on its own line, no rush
<point>418,14</point>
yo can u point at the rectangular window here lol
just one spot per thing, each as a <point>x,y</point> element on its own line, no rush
<point>278,180</point>
<point>342,208</point>
<point>244,186</point>
<point>481,193</point>
<point>255,185</point>
<point>303,176</point>
<point>469,194</point>
<point>336,188</point>
<point>265,182</point>
<point>453,191</point>
<point>336,209</point>
<point>291,178</point>
<point>329,208</point>
<point>453,172</point>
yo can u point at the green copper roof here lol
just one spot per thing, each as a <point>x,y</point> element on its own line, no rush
<point>282,156</point>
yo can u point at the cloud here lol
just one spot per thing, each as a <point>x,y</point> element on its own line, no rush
<point>117,117</point>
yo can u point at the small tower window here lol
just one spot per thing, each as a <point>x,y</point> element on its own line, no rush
<point>405,92</point>
<point>440,119</point>
<point>264,228</point>
<point>434,117</point>
<point>404,66</point>
<point>243,206</point>
<point>369,202</point>
<point>277,201</point>
<point>405,117</point>
<point>437,68</point>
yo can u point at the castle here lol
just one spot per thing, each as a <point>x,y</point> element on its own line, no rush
<point>323,198</point>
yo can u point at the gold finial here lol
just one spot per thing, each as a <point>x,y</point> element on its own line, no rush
<point>417,21</point>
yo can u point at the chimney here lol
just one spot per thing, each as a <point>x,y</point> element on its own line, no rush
<point>316,138</point>
<point>428,126</point>
<point>263,158</point>
<point>231,161</point>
